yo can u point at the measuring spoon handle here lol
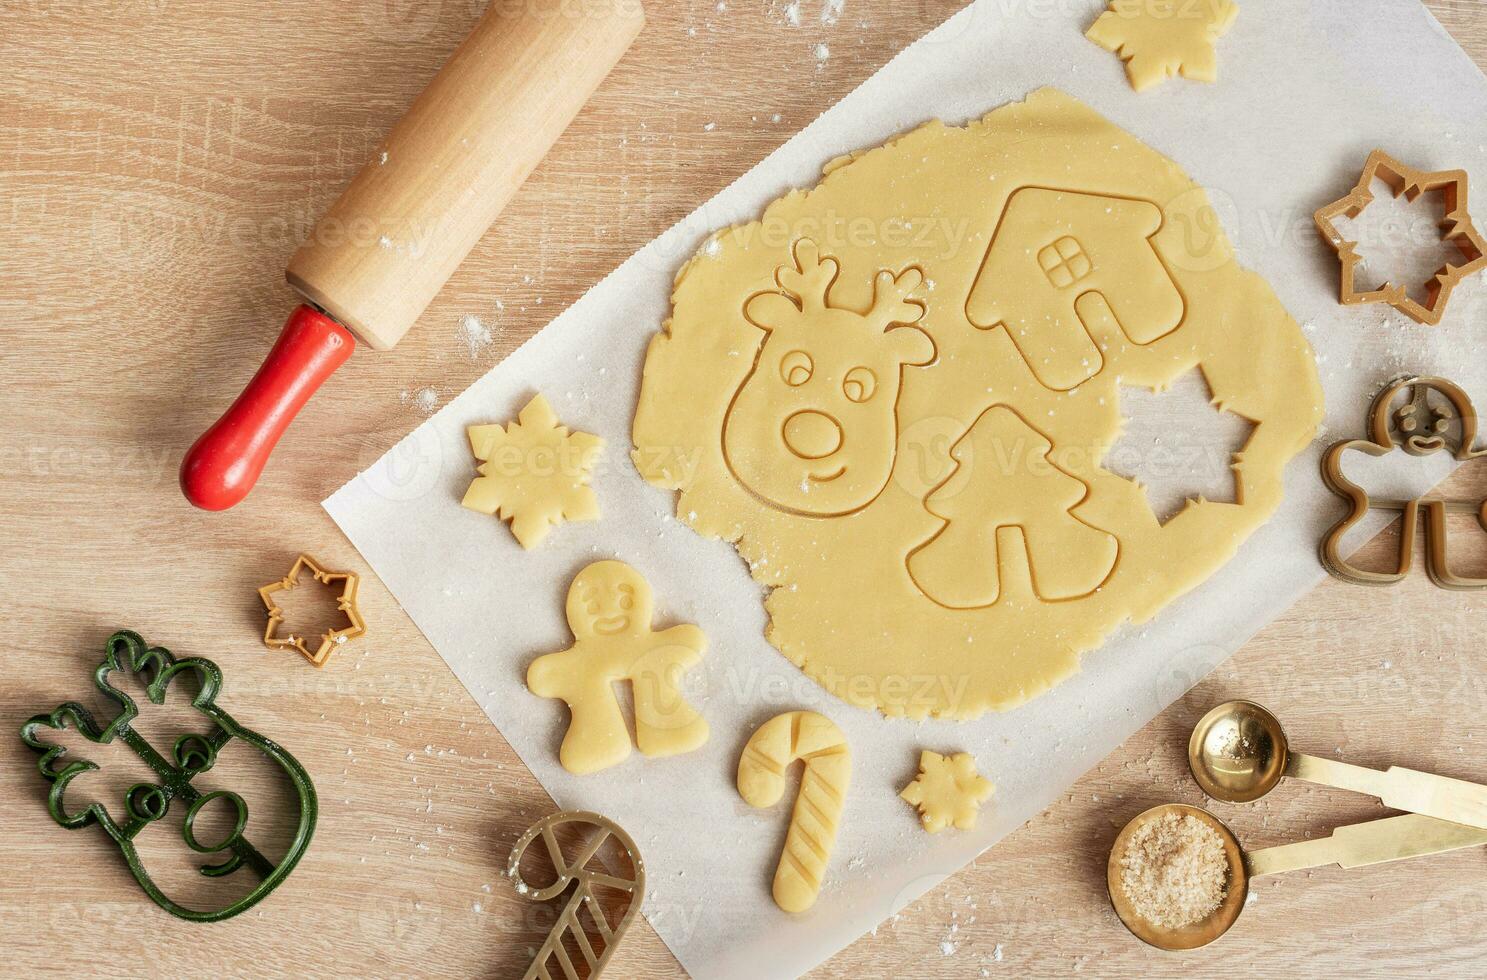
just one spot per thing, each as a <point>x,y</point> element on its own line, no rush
<point>1361,844</point>
<point>1450,799</point>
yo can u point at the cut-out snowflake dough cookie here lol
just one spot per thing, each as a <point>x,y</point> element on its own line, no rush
<point>948,791</point>
<point>609,611</point>
<point>1158,39</point>
<point>534,473</point>
<point>901,420</point>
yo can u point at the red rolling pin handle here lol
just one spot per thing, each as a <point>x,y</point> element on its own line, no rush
<point>224,464</point>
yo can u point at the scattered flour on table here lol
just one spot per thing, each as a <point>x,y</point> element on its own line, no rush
<point>475,335</point>
<point>424,399</point>
<point>794,12</point>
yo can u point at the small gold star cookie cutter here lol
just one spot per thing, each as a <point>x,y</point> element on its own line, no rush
<point>331,638</point>
<point>1456,228</point>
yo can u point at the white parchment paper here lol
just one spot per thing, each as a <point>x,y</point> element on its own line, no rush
<point>1307,88</point>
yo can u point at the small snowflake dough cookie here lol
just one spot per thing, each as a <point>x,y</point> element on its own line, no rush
<point>534,473</point>
<point>1157,39</point>
<point>947,791</point>
<point>609,611</point>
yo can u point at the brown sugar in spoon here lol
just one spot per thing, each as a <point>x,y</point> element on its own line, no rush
<point>1353,846</point>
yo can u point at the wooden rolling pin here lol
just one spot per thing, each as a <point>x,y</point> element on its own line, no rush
<point>374,263</point>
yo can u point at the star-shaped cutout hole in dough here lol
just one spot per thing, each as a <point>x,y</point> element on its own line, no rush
<point>1180,445</point>
<point>1456,229</point>
<point>948,791</point>
<point>534,473</point>
<point>1158,39</point>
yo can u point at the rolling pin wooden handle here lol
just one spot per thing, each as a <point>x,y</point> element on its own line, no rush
<point>386,248</point>
<point>223,465</point>
<point>376,260</point>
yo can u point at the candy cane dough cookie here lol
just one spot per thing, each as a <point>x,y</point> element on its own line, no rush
<point>817,741</point>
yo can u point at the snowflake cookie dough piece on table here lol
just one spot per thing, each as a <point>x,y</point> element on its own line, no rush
<point>609,611</point>
<point>820,744</point>
<point>1158,39</point>
<point>894,394</point>
<point>947,791</point>
<point>534,473</point>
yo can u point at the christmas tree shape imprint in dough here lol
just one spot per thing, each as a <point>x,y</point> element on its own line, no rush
<point>1157,39</point>
<point>813,428</point>
<point>534,473</point>
<point>1061,265</point>
<point>609,610</point>
<point>1005,499</point>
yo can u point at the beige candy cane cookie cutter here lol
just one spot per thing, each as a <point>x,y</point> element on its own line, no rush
<point>569,925</point>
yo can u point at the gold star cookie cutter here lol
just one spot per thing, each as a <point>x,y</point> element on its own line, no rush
<point>1456,227</point>
<point>331,638</point>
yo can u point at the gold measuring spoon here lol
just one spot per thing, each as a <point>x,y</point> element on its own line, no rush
<point>1238,753</point>
<point>1354,846</point>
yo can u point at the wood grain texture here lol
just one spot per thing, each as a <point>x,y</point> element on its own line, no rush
<point>160,160</point>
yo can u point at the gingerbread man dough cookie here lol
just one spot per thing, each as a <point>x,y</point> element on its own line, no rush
<point>609,611</point>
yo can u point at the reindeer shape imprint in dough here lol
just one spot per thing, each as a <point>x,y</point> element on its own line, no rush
<point>813,429</point>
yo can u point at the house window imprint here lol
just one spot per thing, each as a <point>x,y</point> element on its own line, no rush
<point>1064,262</point>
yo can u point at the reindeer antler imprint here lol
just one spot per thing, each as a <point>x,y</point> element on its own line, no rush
<point>779,742</point>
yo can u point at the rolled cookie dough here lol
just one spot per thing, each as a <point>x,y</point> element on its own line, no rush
<point>894,391</point>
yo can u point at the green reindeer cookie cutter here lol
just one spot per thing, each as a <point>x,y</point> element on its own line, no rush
<point>190,756</point>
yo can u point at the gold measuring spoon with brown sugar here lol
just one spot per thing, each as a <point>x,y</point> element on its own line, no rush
<point>1238,753</point>
<point>1354,846</point>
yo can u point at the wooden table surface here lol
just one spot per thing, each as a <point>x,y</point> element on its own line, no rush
<point>158,160</point>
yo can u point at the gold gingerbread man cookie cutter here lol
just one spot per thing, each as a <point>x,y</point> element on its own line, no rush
<point>330,639</point>
<point>1420,429</point>
<point>1456,228</point>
